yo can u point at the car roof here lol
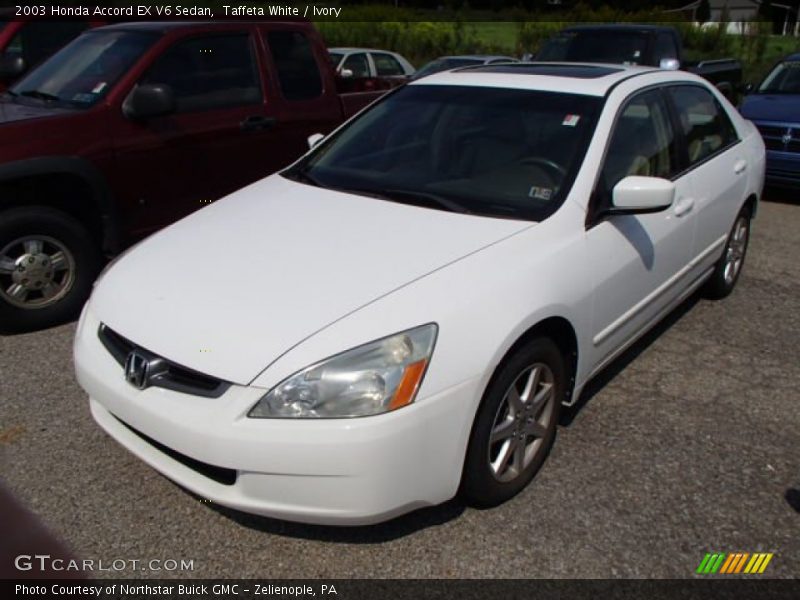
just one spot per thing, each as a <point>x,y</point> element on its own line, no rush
<point>475,57</point>
<point>341,49</point>
<point>591,79</point>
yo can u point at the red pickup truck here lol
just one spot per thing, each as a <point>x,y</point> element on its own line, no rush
<point>132,126</point>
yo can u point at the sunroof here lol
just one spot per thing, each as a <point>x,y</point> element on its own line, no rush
<point>553,70</point>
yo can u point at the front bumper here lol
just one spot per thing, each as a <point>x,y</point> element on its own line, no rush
<point>334,471</point>
<point>783,168</point>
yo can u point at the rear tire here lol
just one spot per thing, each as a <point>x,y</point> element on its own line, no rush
<point>515,425</point>
<point>729,266</point>
<point>48,262</point>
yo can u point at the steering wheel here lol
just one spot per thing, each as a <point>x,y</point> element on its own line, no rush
<point>549,165</point>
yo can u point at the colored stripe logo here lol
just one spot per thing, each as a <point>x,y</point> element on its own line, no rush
<point>733,563</point>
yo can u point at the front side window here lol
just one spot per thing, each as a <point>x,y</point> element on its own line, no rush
<point>298,72</point>
<point>643,142</point>
<point>208,72</point>
<point>82,73</point>
<point>706,126</point>
<point>358,64</point>
<point>494,152</point>
<point>386,65</point>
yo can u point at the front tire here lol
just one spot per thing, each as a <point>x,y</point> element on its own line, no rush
<point>515,425</point>
<point>729,266</point>
<point>48,261</point>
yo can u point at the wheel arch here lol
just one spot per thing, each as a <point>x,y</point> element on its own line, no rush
<point>561,332</point>
<point>751,204</point>
<point>67,183</point>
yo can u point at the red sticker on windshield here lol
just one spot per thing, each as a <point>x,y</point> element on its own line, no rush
<point>571,120</point>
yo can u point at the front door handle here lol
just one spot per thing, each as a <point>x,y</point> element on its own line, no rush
<point>256,123</point>
<point>683,206</point>
<point>740,167</point>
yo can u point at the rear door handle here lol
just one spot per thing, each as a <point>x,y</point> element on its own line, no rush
<point>683,206</point>
<point>256,123</point>
<point>740,167</point>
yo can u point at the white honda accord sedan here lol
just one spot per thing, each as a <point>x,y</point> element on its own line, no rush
<point>400,315</point>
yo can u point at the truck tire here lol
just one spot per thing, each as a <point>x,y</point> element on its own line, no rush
<point>48,261</point>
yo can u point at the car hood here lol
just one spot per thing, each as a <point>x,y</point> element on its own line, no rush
<point>771,107</point>
<point>11,111</point>
<point>231,288</point>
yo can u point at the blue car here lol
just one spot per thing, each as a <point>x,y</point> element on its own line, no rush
<point>775,109</point>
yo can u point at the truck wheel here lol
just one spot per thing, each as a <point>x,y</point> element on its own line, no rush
<point>48,262</point>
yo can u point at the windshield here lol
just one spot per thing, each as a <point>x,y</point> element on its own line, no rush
<point>82,73</point>
<point>783,79</point>
<point>336,58</point>
<point>486,151</point>
<point>444,64</point>
<point>615,47</point>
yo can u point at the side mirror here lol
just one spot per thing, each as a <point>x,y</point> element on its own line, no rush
<point>149,100</point>
<point>345,73</point>
<point>636,194</point>
<point>314,139</point>
<point>11,66</point>
<point>669,64</point>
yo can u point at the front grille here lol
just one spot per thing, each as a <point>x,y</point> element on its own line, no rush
<point>170,376</point>
<point>774,137</point>
<point>218,474</point>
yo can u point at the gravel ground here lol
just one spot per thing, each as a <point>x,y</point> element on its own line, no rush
<point>687,444</point>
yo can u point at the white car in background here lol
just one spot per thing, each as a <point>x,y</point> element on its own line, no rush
<point>388,68</point>
<point>402,313</point>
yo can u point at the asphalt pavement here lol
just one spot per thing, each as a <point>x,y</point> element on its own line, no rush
<point>689,444</point>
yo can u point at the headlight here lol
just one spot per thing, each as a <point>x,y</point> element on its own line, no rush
<point>374,378</point>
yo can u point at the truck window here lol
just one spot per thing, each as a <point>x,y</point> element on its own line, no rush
<point>607,46</point>
<point>705,124</point>
<point>209,72</point>
<point>298,72</point>
<point>387,65</point>
<point>665,47</point>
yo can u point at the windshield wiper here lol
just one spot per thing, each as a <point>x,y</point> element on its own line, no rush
<point>428,199</point>
<point>40,95</point>
<point>303,176</point>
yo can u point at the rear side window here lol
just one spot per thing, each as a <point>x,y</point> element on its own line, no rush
<point>705,124</point>
<point>643,142</point>
<point>209,72</point>
<point>387,65</point>
<point>298,71</point>
<point>357,63</point>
